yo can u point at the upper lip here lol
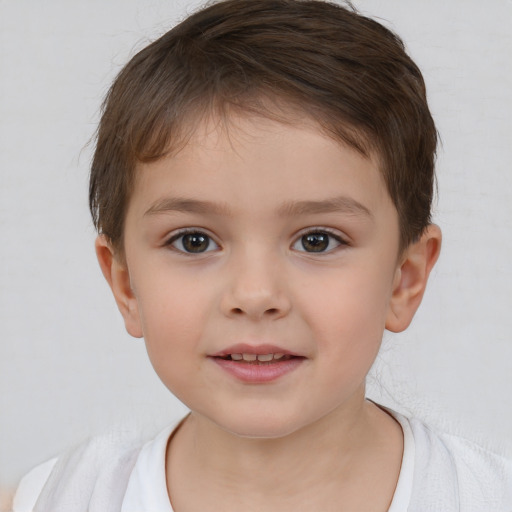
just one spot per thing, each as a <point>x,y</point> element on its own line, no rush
<point>244,348</point>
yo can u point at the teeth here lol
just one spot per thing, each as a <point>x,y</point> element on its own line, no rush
<point>264,358</point>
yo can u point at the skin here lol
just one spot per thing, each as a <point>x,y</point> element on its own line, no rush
<point>308,440</point>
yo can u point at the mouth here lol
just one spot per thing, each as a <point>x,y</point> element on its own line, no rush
<point>257,359</point>
<point>257,364</point>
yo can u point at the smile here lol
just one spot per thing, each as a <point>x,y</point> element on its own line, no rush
<point>257,364</point>
<point>257,358</point>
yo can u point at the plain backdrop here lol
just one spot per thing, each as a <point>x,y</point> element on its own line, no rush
<point>67,367</point>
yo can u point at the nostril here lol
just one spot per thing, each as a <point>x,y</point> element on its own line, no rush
<point>269,311</point>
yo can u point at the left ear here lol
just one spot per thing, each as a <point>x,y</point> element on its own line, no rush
<point>411,278</point>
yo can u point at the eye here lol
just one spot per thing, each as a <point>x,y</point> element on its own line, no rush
<point>318,241</point>
<point>192,242</point>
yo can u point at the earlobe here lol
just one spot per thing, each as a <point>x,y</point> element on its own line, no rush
<point>117,275</point>
<point>411,279</point>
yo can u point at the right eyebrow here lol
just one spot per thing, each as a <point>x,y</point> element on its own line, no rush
<point>181,204</point>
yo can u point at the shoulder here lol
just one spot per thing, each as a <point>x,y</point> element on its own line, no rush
<point>31,485</point>
<point>473,477</point>
<point>99,468</point>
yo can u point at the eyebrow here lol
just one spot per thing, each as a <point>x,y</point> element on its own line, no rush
<point>342,204</point>
<point>181,204</point>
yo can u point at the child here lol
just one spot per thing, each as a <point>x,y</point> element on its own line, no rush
<point>262,186</point>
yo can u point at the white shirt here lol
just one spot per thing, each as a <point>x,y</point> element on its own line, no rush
<point>147,487</point>
<point>439,473</point>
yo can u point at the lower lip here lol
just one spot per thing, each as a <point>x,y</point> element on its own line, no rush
<point>258,373</point>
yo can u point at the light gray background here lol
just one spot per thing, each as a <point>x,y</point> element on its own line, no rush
<point>68,369</point>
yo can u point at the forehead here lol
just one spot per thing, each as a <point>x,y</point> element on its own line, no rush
<point>245,160</point>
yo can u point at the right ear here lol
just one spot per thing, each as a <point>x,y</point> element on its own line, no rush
<point>118,277</point>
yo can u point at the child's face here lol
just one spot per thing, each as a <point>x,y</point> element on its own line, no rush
<point>290,246</point>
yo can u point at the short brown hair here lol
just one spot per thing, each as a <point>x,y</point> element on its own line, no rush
<point>344,70</point>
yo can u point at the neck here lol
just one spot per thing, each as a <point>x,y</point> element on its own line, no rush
<point>333,455</point>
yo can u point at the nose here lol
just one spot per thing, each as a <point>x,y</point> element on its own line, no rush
<point>256,289</point>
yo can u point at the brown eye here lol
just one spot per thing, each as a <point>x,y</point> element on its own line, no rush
<point>193,243</point>
<point>315,242</point>
<point>196,242</point>
<point>318,242</point>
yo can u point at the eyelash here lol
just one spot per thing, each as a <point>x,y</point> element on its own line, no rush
<point>184,232</point>
<point>321,231</point>
<point>299,240</point>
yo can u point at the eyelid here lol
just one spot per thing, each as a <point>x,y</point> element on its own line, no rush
<point>334,233</point>
<point>177,234</point>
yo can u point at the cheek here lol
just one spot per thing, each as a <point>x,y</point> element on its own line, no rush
<point>173,313</point>
<point>349,310</point>
<point>347,324</point>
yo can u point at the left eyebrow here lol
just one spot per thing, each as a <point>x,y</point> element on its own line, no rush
<point>181,204</point>
<point>342,204</point>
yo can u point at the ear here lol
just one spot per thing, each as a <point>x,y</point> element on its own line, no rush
<point>117,275</point>
<point>411,278</point>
